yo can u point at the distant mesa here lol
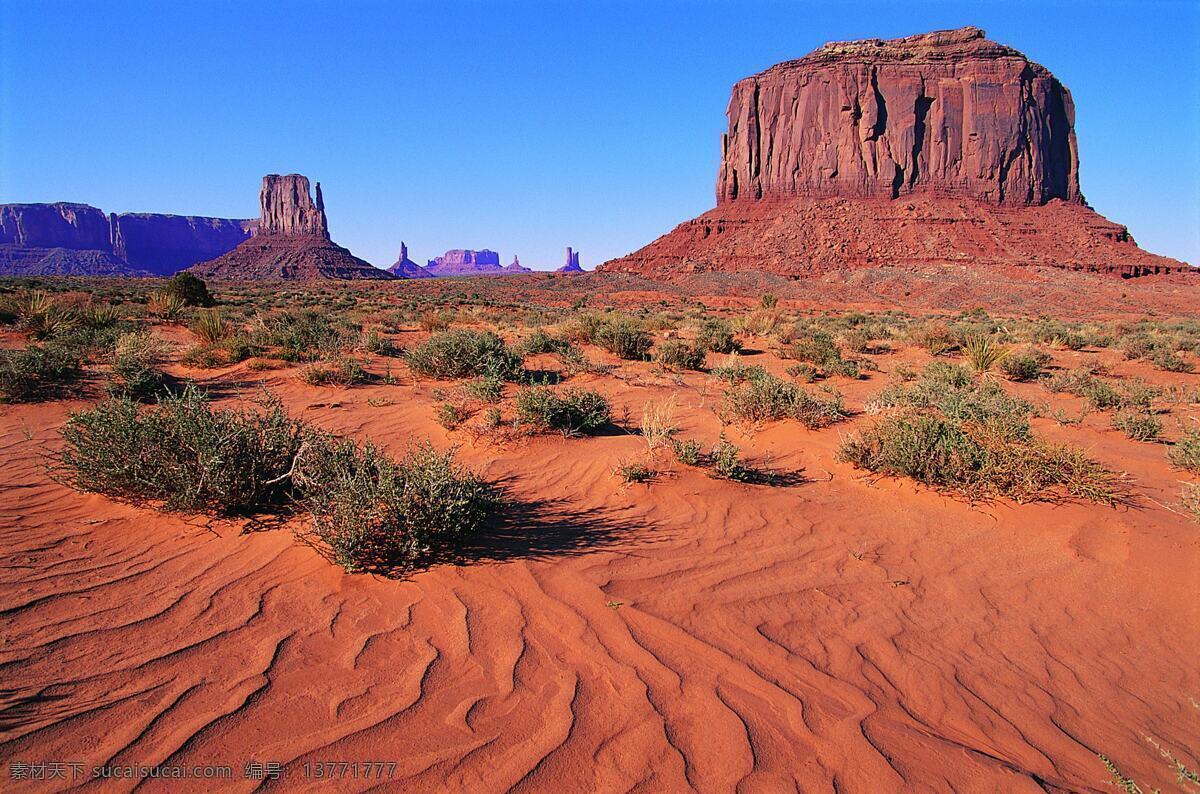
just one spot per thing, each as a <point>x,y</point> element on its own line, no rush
<point>571,265</point>
<point>406,268</point>
<point>465,262</point>
<point>292,241</point>
<point>66,239</point>
<point>939,148</point>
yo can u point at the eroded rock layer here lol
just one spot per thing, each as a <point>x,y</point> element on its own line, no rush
<point>938,148</point>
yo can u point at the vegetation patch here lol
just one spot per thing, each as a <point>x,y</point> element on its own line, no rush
<point>465,353</point>
<point>570,412</point>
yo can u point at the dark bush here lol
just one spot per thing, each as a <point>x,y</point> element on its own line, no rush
<point>191,290</point>
<point>623,338</point>
<point>1025,365</point>
<point>676,354</point>
<point>716,335</point>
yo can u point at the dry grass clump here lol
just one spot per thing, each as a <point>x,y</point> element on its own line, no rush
<point>465,353</point>
<point>210,327</point>
<point>658,423</point>
<point>984,352</point>
<point>716,335</point>
<point>953,431</point>
<point>341,371</point>
<point>137,359</point>
<point>1186,452</point>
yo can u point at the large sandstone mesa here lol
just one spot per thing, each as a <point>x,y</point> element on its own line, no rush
<point>938,148</point>
<point>78,239</point>
<point>291,243</point>
<point>465,262</point>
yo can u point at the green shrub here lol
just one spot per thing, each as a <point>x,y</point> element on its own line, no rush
<point>376,513</point>
<point>1170,361</point>
<point>816,347</point>
<point>984,352</point>
<point>341,371</point>
<point>488,389</point>
<point>635,472</point>
<point>677,354</point>
<point>735,372</point>
<point>767,397</point>
<point>1025,365</point>
<point>687,452</point>
<point>1139,425</point>
<point>182,454</point>
<point>1186,452</point>
<point>38,372</point>
<point>541,342</point>
<point>727,462</point>
<point>465,353</point>
<point>623,338</point>
<point>716,335</point>
<point>210,327</point>
<point>137,359</point>
<point>450,415</point>
<point>304,335</point>
<point>188,288</point>
<point>571,412</point>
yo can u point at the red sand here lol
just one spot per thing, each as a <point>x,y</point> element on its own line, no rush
<point>841,634</point>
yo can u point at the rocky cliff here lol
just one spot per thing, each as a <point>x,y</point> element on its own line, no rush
<point>78,239</point>
<point>465,262</point>
<point>935,148</point>
<point>291,242</point>
<point>406,268</point>
<point>515,266</point>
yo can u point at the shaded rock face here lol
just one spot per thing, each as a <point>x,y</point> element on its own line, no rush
<point>288,207</point>
<point>941,148</point>
<point>516,267</point>
<point>291,242</point>
<point>571,262</point>
<point>406,268</point>
<point>77,239</point>
<point>465,262</point>
<point>944,113</point>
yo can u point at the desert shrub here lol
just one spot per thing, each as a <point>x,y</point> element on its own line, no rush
<point>677,354</point>
<point>304,335</point>
<point>726,461</point>
<point>436,320</point>
<point>984,352</point>
<point>377,513</point>
<point>970,458</point>
<point>450,415</point>
<point>687,452</point>
<point>137,359</point>
<point>938,339</point>
<point>1189,498</point>
<point>1138,345</point>
<point>953,391</point>
<point>734,371</point>
<point>571,412</point>
<point>623,338</point>
<point>658,423</point>
<point>373,341</point>
<point>464,353</point>
<point>38,372</point>
<point>1024,365</point>
<point>42,317</point>
<point>1186,452</point>
<point>1170,361</point>
<point>166,306</point>
<point>815,346</point>
<point>182,454</point>
<point>341,371</point>
<point>767,397</point>
<point>1082,382</point>
<point>716,335</point>
<point>1138,424</point>
<point>541,342</point>
<point>488,389</point>
<point>188,288</point>
<point>210,326</point>
<point>634,472</point>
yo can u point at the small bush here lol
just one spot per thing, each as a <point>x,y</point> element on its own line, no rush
<point>687,452</point>
<point>658,423</point>
<point>1170,361</point>
<point>1024,365</point>
<point>300,335</point>
<point>766,398</point>
<point>465,353</point>
<point>488,389</point>
<point>190,289</point>
<point>136,365</point>
<point>1139,425</point>
<point>716,335</point>
<point>450,415</point>
<point>635,472</point>
<point>541,342</point>
<point>38,372</point>
<point>676,354</point>
<point>984,352</point>
<point>182,454</point>
<point>166,306</point>
<point>341,372</point>
<point>210,327</point>
<point>727,462</point>
<point>1189,498</point>
<point>571,412</point>
<point>624,339</point>
<point>376,513</point>
<point>1186,452</point>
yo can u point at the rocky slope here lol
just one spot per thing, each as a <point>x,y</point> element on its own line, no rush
<point>77,239</point>
<point>292,241</point>
<point>406,268</point>
<point>940,147</point>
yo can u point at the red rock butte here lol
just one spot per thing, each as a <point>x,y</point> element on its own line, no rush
<point>939,148</point>
<point>291,241</point>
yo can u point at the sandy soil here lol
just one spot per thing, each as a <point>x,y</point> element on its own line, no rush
<point>841,634</point>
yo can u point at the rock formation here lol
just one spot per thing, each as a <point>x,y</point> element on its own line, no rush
<point>78,239</point>
<point>935,148</point>
<point>464,262</point>
<point>292,241</point>
<point>406,268</point>
<point>516,267</point>
<point>571,264</point>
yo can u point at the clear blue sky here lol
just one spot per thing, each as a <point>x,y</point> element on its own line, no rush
<point>521,127</point>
